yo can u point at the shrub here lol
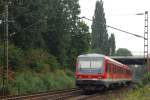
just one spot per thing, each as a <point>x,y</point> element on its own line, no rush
<point>16,56</point>
<point>37,58</point>
<point>146,79</point>
<point>27,82</point>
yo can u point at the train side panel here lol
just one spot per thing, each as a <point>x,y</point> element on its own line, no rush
<point>113,73</point>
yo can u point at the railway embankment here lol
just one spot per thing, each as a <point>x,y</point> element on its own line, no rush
<point>27,82</point>
<point>141,93</point>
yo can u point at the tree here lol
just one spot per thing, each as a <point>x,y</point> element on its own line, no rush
<point>99,31</point>
<point>46,24</point>
<point>112,45</point>
<point>29,23</point>
<point>61,23</point>
<point>2,19</point>
<point>80,42</point>
<point>49,25</point>
<point>123,52</point>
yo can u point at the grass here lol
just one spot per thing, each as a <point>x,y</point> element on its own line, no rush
<point>136,94</point>
<point>141,93</point>
<point>28,81</point>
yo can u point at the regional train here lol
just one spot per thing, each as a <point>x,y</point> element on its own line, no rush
<point>96,71</point>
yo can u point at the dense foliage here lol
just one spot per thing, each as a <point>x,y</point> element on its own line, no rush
<point>112,45</point>
<point>27,81</point>
<point>99,31</point>
<point>123,52</point>
<point>46,36</point>
<point>50,25</point>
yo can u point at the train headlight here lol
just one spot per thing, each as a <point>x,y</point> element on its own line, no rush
<point>94,79</point>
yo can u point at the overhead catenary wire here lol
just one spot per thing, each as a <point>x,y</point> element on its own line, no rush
<point>115,28</point>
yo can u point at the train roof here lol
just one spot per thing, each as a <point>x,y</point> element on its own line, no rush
<point>92,55</point>
<point>101,56</point>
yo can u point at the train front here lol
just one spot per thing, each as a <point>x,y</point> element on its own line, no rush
<point>90,72</point>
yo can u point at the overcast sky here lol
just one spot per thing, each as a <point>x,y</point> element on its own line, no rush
<point>121,14</point>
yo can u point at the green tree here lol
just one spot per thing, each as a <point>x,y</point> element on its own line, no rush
<point>80,42</point>
<point>99,31</point>
<point>29,23</point>
<point>49,25</point>
<point>123,52</point>
<point>1,18</point>
<point>112,45</point>
<point>62,19</point>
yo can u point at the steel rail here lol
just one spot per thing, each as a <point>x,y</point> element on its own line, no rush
<point>35,95</point>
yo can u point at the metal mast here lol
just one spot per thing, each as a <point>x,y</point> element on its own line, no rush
<point>146,40</point>
<point>5,65</point>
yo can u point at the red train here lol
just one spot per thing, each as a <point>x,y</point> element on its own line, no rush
<point>96,71</point>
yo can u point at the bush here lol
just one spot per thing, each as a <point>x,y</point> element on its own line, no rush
<point>146,79</point>
<point>37,58</point>
<point>28,82</point>
<point>16,56</point>
<point>58,80</point>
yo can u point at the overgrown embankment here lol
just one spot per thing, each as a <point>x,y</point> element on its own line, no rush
<point>34,70</point>
<point>138,91</point>
<point>142,91</point>
<point>29,81</point>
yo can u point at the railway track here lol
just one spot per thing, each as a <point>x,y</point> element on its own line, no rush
<point>72,94</point>
<point>49,95</point>
<point>115,93</point>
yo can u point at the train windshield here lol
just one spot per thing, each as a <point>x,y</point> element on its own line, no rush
<point>90,65</point>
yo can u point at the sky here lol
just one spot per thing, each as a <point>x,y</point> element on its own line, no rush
<point>121,14</point>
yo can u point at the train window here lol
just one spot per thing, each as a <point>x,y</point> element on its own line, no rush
<point>119,70</point>
<point>110,68</point>
<point>107,67</point>
<point>114,69</point>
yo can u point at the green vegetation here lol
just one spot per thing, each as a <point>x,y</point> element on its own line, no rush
<point>52,26</point>
<point>27,81</point>
<point>99,31</point>
<point>48,37</point>
<point>35,70</point>
<point>139,91</point>
<point>101,42</point>
<point>138,94</point>
<point>112,45</point>
<point>123,52</point>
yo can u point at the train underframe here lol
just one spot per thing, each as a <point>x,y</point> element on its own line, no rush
<point>92,85</point>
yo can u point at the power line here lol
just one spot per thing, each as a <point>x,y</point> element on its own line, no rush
<point>116,28</point>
